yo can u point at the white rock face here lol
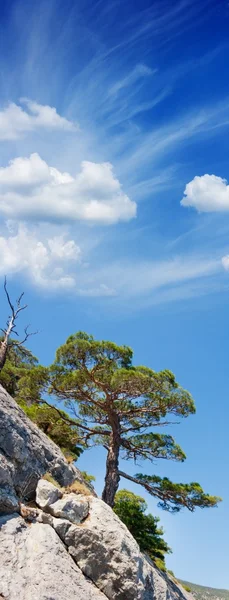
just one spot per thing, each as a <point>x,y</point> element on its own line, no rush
<point>76,548</point>
<point>107,553</point>
<point>26,453</point>
<point>35,565</point>
<point>47,493</point>
<point>73,507</point>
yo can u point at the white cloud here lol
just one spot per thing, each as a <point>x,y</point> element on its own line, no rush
<point>140,71</point>
<point>139,278</point>
<point>16,120</point>
<point>24,172</point>
<point>208,193</point>
<point>225,262</point>
<point>30,189</point>
<point>53,262</point>
<point>44,262</point>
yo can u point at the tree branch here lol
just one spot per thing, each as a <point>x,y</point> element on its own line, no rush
<point>11,324</point>
<point>70,421</point>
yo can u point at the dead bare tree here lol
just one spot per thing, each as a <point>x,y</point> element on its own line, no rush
<point>11,326</point>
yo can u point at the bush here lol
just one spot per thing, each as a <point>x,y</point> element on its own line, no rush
<point>131,509</point>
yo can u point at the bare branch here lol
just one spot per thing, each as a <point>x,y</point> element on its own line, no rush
<point>27,335</point>
<point>10,326</point>
<point>7,295</point>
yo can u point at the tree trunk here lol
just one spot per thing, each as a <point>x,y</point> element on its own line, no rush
<point>3,352</point>
<point>112,477</point>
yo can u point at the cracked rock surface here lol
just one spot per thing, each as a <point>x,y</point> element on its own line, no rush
<point>26,453</point>
<point>105,551</point>
<point>67,546</point>
<point>35,565</point>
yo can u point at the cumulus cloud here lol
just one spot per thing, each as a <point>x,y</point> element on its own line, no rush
<point>18,119</point>
<point>31,189</point>
<point>208,193</point>
<point>46,263</point>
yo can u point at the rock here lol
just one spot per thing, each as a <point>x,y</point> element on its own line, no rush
<point>8,501</point>
<point>107,553</point>
<point>73,539</point>
<point>26,453</point>
<point>74,508</point>
<point>45,518</point>
<point>8,497</point>
<point>112,558</point>
<point>61,527</point>
<point>47,493</point>
<point>34,565</point>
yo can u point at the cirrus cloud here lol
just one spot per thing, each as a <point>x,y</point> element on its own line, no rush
<point>31,189</point>
<point>207,193</point>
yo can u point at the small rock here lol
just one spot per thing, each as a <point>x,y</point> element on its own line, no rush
<point>47,493</point>
<point>71,507</point>
<point>61,527</point>
<point>45,518</point>
<point>8,501</point>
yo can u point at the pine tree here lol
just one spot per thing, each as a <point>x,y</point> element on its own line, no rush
<point>118,406</point>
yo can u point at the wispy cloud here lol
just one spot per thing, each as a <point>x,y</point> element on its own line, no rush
<point>138,73</point>
<point>114,77</point>
<point>143,277</point>
<point>154,144</point>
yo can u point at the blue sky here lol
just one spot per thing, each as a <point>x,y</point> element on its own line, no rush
<point>114,210</point>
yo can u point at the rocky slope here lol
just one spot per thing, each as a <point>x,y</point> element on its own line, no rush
<point>26,453</point>
<point>67,546</point>
<point>201,592</point>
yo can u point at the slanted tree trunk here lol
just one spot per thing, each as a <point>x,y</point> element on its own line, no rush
<point>3,352</point>
<point>112,477</point>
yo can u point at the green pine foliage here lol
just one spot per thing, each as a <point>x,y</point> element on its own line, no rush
<point>64,435</point>
<point>18,363</point>
<point>118,405</point>
<point>25,381</point>
<point>111,403</point>
<point>131,509</point>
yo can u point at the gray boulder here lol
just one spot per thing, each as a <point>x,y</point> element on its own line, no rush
<point>74,508</point>
<point>47,493</point>
<point>26,453</point>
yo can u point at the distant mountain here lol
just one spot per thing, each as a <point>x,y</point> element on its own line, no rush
<point>200,592</point>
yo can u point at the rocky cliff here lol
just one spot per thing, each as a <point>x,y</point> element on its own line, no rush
<point>63,545</point>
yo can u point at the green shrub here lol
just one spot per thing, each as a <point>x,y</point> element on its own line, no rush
<point>131,509</point>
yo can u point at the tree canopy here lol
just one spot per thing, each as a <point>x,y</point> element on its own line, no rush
<point>118,405</point>
<point>19,361</point>
<point>25,380</point>
<point>131,509</point>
